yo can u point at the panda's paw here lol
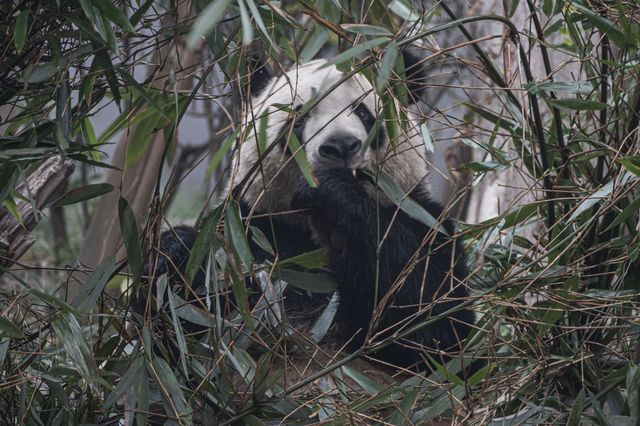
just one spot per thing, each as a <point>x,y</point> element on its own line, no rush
<point>306,198</point>
<point>337,198</point>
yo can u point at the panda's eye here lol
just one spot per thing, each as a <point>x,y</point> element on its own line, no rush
<point>362,113</point>
<point>299,122</point>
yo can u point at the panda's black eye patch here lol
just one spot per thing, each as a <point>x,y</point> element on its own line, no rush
<point>369,121</point>
<point>363,114</point>
<point>299,120</point>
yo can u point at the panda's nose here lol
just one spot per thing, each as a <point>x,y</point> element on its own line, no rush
<point>340,148</point>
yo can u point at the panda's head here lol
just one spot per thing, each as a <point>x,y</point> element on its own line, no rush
<point>334,117</point>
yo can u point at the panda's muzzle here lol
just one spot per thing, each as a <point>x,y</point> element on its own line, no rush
<point>341,149</point>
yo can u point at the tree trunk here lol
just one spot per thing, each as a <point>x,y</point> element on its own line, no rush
<point>42,188</point>
<point>137,182</point>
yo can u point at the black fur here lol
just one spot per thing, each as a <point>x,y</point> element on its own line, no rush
<point>416,274</point>
<point>287,240</point>
<point>416,74</point>
<point>368,121</point>
<point>350,225</point>
<point>259,77</point>
<point>172,254</point>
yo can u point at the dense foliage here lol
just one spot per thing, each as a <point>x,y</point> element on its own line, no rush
<point>556,281</point>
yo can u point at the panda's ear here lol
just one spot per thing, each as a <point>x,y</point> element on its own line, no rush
<point>259,77</point>
<point>416,73</point>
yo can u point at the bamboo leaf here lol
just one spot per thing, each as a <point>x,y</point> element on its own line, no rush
<point>182,344</point>
<point>129,230</point>
<point>84,193</point>
<point>172,394</point>
<point>300,157</point>
<point>578,104</point>
<point>92,289</point>
<point>388,62</point>
<point>357,50</point>
<point>76,348</point>
<point>371,387</point>
<point>409,206</point>
<point>320,327</point>
<point>603,24</point>
<point>20,30</point>
<point>366,29</point>
<point>205,241</point>
<point>114,14</point>
<point>247,28</point>
<point>206,21</point>
<point>9,329</point>
<point>632,164</point>
<point>238,234</point>
<point>314,282</point>
<point>125,383</point>
<point>633,393</point>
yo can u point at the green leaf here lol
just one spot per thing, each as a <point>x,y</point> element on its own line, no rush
<point>53,300</point>
<point>315,259</point>
<point>247,28</point>
<point>519,215</point>
<point>142,92</point>
<point>114,14</point>
<point>406,204</point>
<point>221,152</point>
<point>9,329</point>
<point>258,237</point>
<point>172,394</point>
<point>10,204</point>
<point>89,135</point>
<point>363,380</point>
<point>388,62</point>
<point>629,211</point>
<point>206,21</point>
<point>141,139</point>
<point>632,164</point>
<point>125,383</point>
<point>20,30</point>
<point>366,29</point>
<point>427,138</point>
<point>633,393</point>
<point>300,156</point>
<point>182,344</point>
<point>320,327</point>
<point>76,347</point>
<point>406,407</point>
<point>578,104</point>
<point>313,45</point>
<point>483,167</point>
<point>139,14</point>
<point>315,282</point>
<point>603,24</point>
<point>84,193</point>
<point>238,234</point>
<point>40,72</point>
<point>566,86</point>
<point>205,241</point>
<point>357,50</point>
<point>129,230</point>
<point>92,289</point>
<point>103,60</point>
<point>259,22</point>
<point>132,115</point>
<point>480,375</point>
<point>576,411</point>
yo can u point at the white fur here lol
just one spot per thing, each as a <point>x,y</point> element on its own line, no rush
<point>271,184</point>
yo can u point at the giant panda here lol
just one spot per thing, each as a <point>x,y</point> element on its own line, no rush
<point>392,271</point>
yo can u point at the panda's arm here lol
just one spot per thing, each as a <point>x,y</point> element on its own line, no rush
<point>351,225</point>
